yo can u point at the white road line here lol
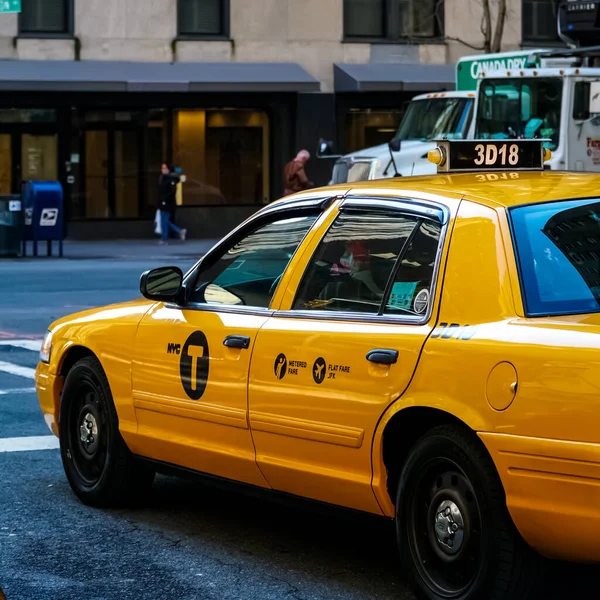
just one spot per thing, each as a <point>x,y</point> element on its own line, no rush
<point>17,370</point>
<point>29,390</point>
<point>33,345</point>
<point>25,444</point>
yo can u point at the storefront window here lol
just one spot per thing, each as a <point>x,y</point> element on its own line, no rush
<point>39,158</point>
<point>223,154</point>
<point>368,127</point>
<point>24,115</point>
<point>157,150</point>
<point>111,164</point>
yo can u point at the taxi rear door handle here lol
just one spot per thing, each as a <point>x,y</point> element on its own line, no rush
<point>237,341</point>
<point>383,356</point>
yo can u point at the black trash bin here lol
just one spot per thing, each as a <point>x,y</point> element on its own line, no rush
<point>11,215</point>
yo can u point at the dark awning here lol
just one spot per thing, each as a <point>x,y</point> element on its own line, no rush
<point>115,76</point>
<point>393,77</point>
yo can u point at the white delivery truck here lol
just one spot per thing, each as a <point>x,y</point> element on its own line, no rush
<point>428,116</point>
<point>559,103</point>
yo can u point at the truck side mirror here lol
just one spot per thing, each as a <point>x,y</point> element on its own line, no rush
<point>395,144</point>
<point>325,149</point>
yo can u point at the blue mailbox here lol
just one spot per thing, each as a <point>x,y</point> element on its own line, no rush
<point>42,214</point>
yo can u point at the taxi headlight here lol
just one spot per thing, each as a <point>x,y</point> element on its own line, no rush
<point>46,347</point>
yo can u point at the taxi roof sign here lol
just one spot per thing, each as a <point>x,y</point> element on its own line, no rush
<point>455,156</point>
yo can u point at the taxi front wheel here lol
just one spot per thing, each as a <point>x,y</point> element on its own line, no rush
<point>456,538</point>
<point>99,467</point>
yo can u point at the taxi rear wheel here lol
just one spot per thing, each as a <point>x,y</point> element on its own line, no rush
<point>99,467</point>
<point>457,540</point>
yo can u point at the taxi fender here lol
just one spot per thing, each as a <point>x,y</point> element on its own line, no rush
<point>109,334</point>
<point>455,409</point>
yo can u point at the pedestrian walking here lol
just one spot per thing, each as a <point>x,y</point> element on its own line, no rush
<point>294,175</point>
<point>167,202</point>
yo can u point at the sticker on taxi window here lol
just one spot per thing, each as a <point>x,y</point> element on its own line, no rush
<point>402,294</point>
<point>421,301</point>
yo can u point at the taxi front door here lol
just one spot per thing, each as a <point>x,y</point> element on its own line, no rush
<point>330,361</point>
<point>191,363</point>
<point>190,390</point>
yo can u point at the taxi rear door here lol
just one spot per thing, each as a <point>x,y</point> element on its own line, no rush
<point>191,362</point>
<point>344,346</point>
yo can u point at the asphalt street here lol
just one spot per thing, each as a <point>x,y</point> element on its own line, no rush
<point>187,540</point>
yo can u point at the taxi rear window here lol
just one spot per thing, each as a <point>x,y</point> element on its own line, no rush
<point>558,252</point>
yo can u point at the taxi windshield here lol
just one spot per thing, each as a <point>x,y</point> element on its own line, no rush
<point>436,118</point>
<point>558,250</point>
<point>523,108</point>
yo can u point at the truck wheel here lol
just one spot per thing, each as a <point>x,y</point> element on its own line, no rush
<point>456,538</point>
<point>99,467</point>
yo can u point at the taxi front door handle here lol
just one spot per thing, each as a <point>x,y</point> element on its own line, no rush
<point>383,356</point>
<point>237,341</point>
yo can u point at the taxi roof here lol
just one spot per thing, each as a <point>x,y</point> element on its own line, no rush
<point>489,188</point>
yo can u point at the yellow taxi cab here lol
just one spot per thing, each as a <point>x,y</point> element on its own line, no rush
<point>426,349</point>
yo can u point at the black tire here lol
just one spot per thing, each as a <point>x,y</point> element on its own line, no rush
<point>475,553</point>
<point>99,467</point>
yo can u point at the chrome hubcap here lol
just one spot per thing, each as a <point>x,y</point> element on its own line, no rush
<point>88,432</point>
<point>449,527</point>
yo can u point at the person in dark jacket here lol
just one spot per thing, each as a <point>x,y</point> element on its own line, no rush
<point>167,201</point>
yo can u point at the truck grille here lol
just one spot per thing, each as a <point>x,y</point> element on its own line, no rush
<point>347,171</point>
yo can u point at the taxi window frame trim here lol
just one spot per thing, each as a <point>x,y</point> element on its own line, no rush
<point>362,203</point>
<point>280,211</point>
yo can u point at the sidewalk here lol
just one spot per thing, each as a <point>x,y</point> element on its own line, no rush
<point>126,249</point>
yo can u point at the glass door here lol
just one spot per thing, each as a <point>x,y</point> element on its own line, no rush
<point>126,169</point>
<point>39,157</point>
<point>112,173</point>
<point>5,164</point>
<point>96,175</point>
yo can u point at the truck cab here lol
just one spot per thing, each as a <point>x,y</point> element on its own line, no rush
<point>447,114</point>
<point>429,116</point>
<point>555,96</point>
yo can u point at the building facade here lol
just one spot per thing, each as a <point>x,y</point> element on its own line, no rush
<point>97,93</point>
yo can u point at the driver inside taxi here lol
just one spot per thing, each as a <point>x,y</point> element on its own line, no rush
<point>356,262</point>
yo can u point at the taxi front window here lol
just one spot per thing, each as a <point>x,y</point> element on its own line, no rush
<point>248,273</point>
<point>523,108</point>
<point>436,118</point>
<point>558,250</point>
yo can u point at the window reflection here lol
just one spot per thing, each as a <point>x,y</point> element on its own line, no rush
<point>353,263</point>
<point>558,248</point>
<point>411,288</point>
<point>249,272</point>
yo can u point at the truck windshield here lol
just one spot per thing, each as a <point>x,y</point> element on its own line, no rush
<point>436,118</point>
<point>523,108</point>
<point>558,250</point>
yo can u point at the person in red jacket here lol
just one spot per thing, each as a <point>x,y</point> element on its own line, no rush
<point>294,174</point>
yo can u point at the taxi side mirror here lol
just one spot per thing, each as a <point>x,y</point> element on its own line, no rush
<point>162,284</point>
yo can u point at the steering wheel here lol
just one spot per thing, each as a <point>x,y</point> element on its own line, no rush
<point>274,285</point>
